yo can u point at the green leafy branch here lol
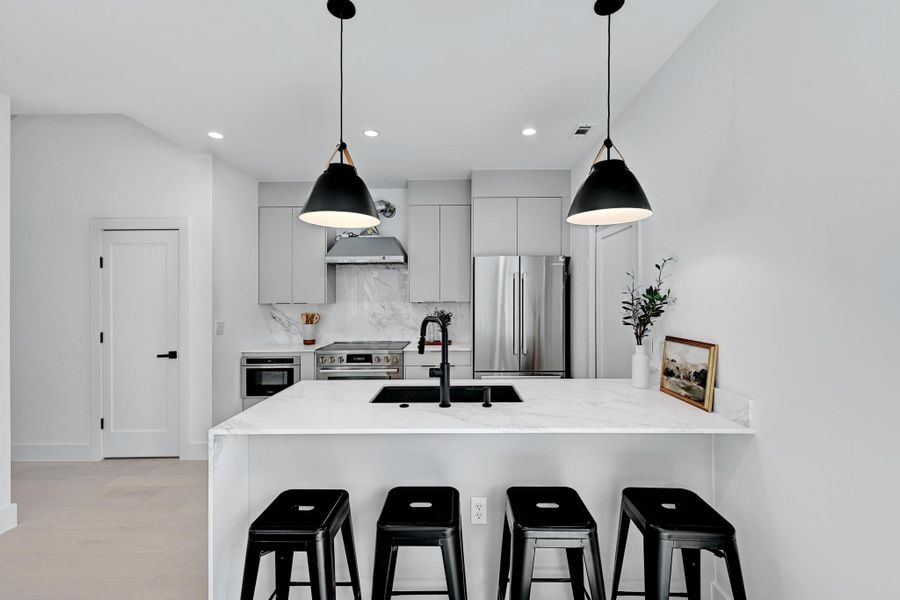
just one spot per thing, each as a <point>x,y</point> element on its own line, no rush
<point>643,308</point>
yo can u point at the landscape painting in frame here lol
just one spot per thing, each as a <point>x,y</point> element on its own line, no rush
<point>689,371</point>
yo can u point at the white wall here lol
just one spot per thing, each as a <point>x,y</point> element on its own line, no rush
<point>234,283</point>
<point>65,171</point>
<point>768,147</point>
<point>7,509</point>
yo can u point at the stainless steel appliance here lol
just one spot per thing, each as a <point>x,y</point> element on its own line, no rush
<point>360,360</point>
<point>264,374</point>
<point>521,316</point>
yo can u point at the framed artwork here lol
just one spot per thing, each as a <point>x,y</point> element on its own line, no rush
<point>689,371</point>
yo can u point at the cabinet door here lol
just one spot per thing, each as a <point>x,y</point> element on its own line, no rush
<point>309,273</point>
<point>275,233</point>
<point>425,253</point>
<point>456,253</point>
<point>456,372</point>
<point>494,227</point>
<point>539,226</point>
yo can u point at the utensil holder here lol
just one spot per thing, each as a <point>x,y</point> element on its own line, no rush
<point>309,333</point>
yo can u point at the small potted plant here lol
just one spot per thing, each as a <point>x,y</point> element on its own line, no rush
<point>641,311</point>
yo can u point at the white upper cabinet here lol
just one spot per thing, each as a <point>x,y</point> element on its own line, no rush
<point>538,226</point>
<point>494,231</point>
<point>520,213</point>
<point>275,238</point>
<point>456,253</point>
<point>424,253</point>
<point>440,252</point>
<point>292,267</point>
<point>312,280</point>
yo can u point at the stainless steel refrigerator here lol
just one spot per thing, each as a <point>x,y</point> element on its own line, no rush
<point>521,316</point>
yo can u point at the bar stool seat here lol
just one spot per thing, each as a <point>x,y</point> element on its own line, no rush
<point>670,518</point>
<point>419,516</point>
<point>548,517</point>
<point>302,521</point>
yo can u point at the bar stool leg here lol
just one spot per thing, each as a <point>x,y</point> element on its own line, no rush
<point>594,570</point>
<point>735,576</point>
<point>383,573</point>
<point>624,523</point>
<point>575,558</point>
<point>657,568</point>
<point>251,570</point>
<point>691,559</point>
<point>320,558</point>
<point>504,561</point>
<point>284,561</point>
<point>454,567</point>
<point>522,568</point>
<point>350,551</point>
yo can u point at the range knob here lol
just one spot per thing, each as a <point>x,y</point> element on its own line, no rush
<point>378,359</point>
<point>341,359</point>
<point>396,360</point>
<point>321,359</point>
<point>331,359</point>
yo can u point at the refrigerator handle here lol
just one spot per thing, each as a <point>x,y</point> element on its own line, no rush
<point>515,305</point>
<point>524,296</point>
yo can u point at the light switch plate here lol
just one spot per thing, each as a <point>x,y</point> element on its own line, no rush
<point>220,327</point>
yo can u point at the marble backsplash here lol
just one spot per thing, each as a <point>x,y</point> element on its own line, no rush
<point>371,303</point>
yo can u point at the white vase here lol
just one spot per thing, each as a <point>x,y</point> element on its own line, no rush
<point>309,333</point>
<point>640,367</point>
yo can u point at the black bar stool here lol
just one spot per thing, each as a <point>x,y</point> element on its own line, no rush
<point>302,521</point>
<point>419,516</point>
<point>548,517</point>
<point>670,518</point>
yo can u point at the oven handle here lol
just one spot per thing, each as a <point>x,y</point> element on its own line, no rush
<point>283,367</point>
<point>360,371</point>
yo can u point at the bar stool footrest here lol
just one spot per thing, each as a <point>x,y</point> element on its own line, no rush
<point>420,593</point>
<point>671,594</point>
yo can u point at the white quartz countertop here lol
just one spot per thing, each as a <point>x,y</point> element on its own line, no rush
<point>549,406</point>
<point>454,347</point>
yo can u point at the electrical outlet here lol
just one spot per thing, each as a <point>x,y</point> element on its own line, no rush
<point>479,510</point>
<point>220,327</point>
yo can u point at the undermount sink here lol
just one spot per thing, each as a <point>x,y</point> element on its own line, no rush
<point>425,394</point>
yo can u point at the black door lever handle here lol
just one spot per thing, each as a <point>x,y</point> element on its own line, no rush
<point>171,355</point>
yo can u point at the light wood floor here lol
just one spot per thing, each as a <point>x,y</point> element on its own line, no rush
<point>116,529</point>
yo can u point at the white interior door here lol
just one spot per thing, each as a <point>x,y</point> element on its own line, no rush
<point>140,328</point>
<point>617,255</point>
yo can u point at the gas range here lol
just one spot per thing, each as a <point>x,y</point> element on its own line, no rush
<point>360,360</point>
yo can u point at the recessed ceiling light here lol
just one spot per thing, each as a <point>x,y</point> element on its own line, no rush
<point>370,133</point>
<point>216,135</point>
<point>529,131</point>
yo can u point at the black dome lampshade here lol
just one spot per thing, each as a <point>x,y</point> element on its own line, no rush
<point>339,197</point>
<point>611,193</point>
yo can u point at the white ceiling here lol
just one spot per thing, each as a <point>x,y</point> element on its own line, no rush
<point>449,84</point>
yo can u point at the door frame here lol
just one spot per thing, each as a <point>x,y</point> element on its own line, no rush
<point>97,227</point>
<point>596,233</point>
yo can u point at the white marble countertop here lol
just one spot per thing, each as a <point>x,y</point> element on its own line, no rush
<point>549,406</point>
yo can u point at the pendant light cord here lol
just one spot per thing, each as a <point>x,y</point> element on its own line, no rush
<point>341,145</point>
<point>608,141</point>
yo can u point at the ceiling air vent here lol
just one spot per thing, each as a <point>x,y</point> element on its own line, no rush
<point>582,130</point>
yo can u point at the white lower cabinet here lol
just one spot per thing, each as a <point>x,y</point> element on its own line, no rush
<point>456,372</point>
<point>416,365</point>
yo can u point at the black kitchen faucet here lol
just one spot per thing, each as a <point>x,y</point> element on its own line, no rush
<point>442,371</point>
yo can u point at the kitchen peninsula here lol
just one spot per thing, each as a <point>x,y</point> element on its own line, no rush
<point>592,435</point>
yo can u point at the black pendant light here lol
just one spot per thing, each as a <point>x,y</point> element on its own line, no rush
<point>339,197</point>
<point>611,193</point>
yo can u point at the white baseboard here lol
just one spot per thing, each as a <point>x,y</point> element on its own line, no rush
<point>194,451</point>
<point>46,452</point>
<point>717,593</point>
<point>8,517</point>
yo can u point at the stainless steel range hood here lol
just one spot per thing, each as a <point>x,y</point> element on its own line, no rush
<point>366,249</point>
